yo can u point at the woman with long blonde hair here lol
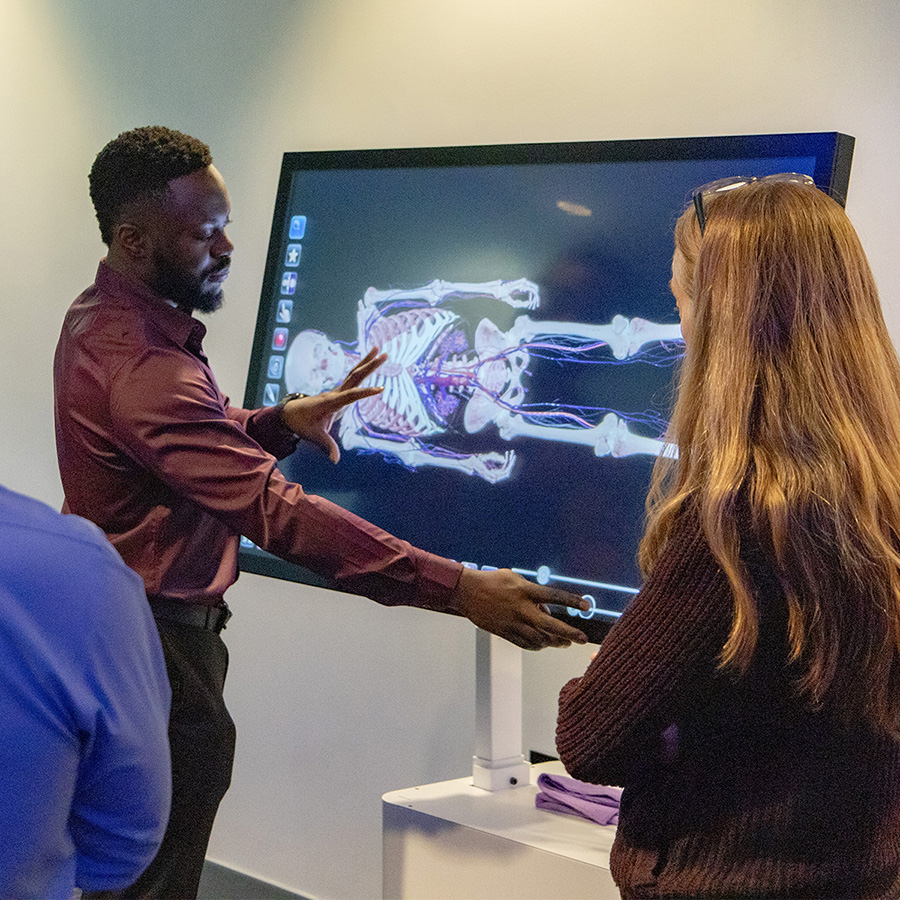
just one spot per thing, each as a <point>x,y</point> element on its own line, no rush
<point>749,699</point>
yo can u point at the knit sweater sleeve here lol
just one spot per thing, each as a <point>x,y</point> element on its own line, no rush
<point>613,720</point>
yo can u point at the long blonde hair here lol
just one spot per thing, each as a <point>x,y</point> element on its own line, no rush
<point>789,402</point>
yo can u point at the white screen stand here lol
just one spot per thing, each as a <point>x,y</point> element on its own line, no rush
<point>498,763</point>
<point>474,839</point>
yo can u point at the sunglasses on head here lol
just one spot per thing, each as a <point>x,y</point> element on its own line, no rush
<point>722,185</point>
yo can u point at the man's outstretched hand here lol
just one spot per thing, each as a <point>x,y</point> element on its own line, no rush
<point>511,607</point>
<point>311,418</point>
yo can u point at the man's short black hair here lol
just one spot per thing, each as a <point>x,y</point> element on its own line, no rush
<point>140,163</point>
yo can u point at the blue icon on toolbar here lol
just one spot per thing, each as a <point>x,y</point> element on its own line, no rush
<point>289,283</point>
<point>292,255</point>
<point>270,394</point>
<point>285,310</point>
<point>298,228</point>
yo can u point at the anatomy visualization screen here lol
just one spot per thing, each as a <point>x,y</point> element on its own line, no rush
<point>521,296</point>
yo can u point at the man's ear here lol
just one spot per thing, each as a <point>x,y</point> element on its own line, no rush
<point>132,239</point>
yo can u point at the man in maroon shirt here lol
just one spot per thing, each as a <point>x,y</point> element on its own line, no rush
<point>151,451</point>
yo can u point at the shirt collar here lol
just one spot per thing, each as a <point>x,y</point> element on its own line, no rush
<point>175,323</point>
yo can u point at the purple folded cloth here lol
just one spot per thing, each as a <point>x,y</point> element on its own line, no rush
<point>562,794</point>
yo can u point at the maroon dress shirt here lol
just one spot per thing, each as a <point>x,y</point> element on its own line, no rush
<point>151,451</point>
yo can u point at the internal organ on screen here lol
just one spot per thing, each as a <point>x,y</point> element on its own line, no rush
<point>435,377</point>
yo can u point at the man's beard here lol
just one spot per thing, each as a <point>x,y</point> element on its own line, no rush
<point>188,291</point>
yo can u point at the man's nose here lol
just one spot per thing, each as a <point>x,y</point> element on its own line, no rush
<point>223,246</point>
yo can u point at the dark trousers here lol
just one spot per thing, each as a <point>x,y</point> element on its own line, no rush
<point>201,737</point>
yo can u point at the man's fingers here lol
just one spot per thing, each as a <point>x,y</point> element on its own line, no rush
<point>509,606</point>
<point>557,597</point>
<point>523,635</point>
<point>556,632</point>
<point>334,452</point>
<point>540,635</point>
<point>325,442</point>
<point>344,397</point>
<point>533,629</point>
<point>371,355</point>
<point>565,634</point>
<point>363,369</point>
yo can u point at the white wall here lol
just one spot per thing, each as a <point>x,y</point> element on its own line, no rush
<point>336,699</point>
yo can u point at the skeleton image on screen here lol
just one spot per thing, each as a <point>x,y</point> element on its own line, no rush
<point>438,380</point>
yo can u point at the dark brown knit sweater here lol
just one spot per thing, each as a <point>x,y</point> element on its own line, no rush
<point>732,787</point>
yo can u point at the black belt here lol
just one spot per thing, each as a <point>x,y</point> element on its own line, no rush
<point>212,618</point>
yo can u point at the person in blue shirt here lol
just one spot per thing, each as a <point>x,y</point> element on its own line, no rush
<point>85,777</point>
